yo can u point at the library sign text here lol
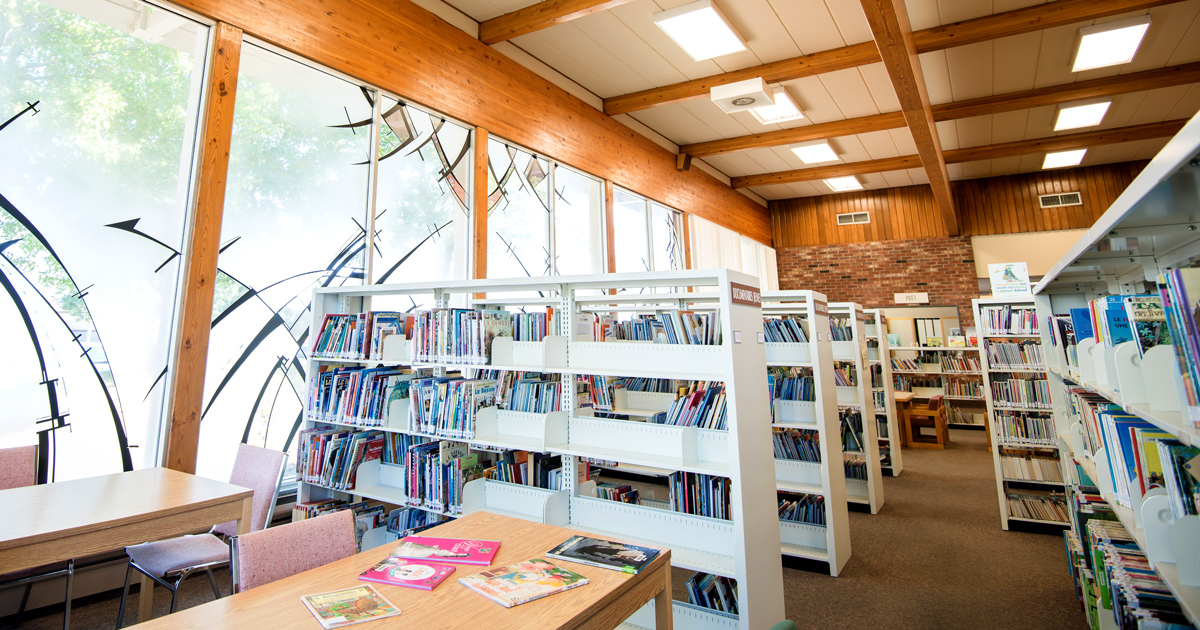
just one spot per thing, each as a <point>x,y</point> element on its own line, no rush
<point>745,295</point>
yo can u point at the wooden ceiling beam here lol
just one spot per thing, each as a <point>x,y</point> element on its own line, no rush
<point>825,172</point>
<point>538,16</point>
<point>894,36</point>
<point>1066,142</point>
<point>1027,20</point>
<point>822,131</point>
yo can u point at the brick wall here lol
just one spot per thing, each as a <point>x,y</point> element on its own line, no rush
<point>870,273</point>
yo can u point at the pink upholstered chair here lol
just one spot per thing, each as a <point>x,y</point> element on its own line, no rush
<point>18,468</point>
<point>273,554</point>
<point>169,562</point>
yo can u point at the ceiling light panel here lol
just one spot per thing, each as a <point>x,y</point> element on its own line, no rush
<point>815,152</point>
<point>700,30</point>
<point>843,184</point>
<point>1081,115</point>
<point>1109,44</point>
<point>1064,158</point>
<point>783,110</point>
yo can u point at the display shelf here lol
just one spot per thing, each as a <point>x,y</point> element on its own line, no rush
<point>935,348</point>
<point>640,404</point>
<point>830,544</point>
<point>747,552</point>
<point>1030,481</point>
<point>1038,520</point>
<point>854,353</point>
<point>876,330</point>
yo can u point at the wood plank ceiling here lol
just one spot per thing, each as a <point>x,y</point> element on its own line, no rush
<point>994,83</point>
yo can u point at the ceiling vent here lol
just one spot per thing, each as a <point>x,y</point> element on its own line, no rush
<point>1060,200</point>
<point>742,96</point>
<point>853,218</point>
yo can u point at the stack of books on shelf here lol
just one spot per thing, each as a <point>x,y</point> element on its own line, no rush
<point>844,376</point>
<point>447,407</point>
<point>525,391</point>
<point>355,395</point>
<point>676,327</point>
<point>786,330</point>
<point>330,457</point>
<point>713,591</point>
<point>785,387</point>
<point>1180,290</point>
<point>802,508</point>
<point>1020,392</point>
<point>963,388</point>
<point>965,363</point>
<point>1024,428</point>
<point>907,383</point>
<point>1021,355</point>
<point>852,430</point>
<point>1037,506</point>
<point>623,493</point>
<point>703,408</point>
<point>906,365</point>
<point>797,444</point>
<point>699,494</point>
<point>358,337</point>
<point>841,329</point>
<point>1030,466</point>
<point>1008,320</point>
<point>856,467</point>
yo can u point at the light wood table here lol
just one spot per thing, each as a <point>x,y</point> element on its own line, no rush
<point>56,522</point>
<point>903,404</point>
<point>605,602</point>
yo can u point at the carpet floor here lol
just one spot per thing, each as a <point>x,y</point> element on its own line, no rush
<point>934,557</point>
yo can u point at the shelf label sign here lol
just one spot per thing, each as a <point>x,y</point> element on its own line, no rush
<point>1010,280</point>
<point>822,308</point>
<point>911,298</point>
<point>745,295</point>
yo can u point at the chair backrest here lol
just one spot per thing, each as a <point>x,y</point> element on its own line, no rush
<point>275,553</point>
<point>260,470</point>
<point>18,467</point>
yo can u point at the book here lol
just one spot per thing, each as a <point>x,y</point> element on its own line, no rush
<point>1081,321</point>
<point>408,573</point>
<point>604,554</point>
<point>336,609</point>
<point>453,550</point>
<point>522,582</point>
<point>1149,321</point>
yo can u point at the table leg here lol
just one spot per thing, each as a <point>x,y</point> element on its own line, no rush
<point>243,524</point>
<point>664,605</point>
<point>145,599</point>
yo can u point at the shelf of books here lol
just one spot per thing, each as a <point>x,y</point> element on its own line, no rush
<point>883,393</point>
<point>1122,352</point>
<point>806,429</point>
<point>1029,482</point>
<point>952,372</point>
<point>500,396</point>
<point>856,405</point>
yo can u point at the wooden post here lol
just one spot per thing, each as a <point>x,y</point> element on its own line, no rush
<point>608,226</point>
<point>191,349</point>
<point>687,241</point>
<point>479,206</point>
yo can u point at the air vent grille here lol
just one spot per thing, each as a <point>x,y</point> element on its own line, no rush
<point>853,218</point>
<point>1060,200</point>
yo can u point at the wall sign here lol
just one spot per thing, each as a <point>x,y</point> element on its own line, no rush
<point>1010,280</point>
<point>911,298</point>
<point>745,294</point>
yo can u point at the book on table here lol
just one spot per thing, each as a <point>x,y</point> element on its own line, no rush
<point>451,550</point>
<point>336,609</point>
<point>605,554</point>
<point>522,582</point>
<point>408,573</point>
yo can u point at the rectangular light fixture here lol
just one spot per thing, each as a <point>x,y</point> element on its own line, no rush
<point>783,110</point>
<point>1081,115</point>
<point>1064,158</point>
<point>700,29</point>
<point>843,184</point>
<point>1109,44</point>
<point>815,152</point>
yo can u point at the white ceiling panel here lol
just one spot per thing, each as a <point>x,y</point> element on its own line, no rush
<point>850,149</point>
<point>936,71</point>
<point>878,144</point>
<point>741,163</point>
<point>1006,166</point>
<point>672,121</point>
<point>1009,126</point>
<point>816,101</point>
<point>1056,56</point>
<point>958,10</point>
<point>923,14</point>
<point>481,10</point>
<point>850,92</point>
<point>1040,121</point>
<point>955,172</point>
<point>947,133</point>
<point>722,125</point>
<point>1188,48</point>
<point>974,132</point>
<point>1151,148</point>
<point>1014,62</point>
<point>919,176</point>
<point>880,86</point>
<point>771,193</point>
<point>1032,162</point>
<point>851,20</point>
<point>548,53</point>
<point>574,43</point>
<point>1123,107</point>
<point>873,181</point>
<point>975,170</point>
<point>903,139</point>
<point>1168,25</point>
<point>810,24</point>
<point>613,35</point>
<point>1000,6</point>
<point>638,16</point>
<point>1122,152</point>
<point>1158,104</point>
<point>970,70</point>
<point>897,178</point>
<point>774,159</point>
<point>1096,155</point>
<point>763,31</point>
<point>1188,105</point>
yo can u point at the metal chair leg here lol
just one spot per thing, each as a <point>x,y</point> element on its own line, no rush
<point>70,576</point>
<point>212,580</point>
<point>124,595</point>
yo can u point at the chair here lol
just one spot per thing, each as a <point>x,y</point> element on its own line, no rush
<point>18,468</point>
<point>931,415</point>
<point>272,554</point>
<point>256,468</point>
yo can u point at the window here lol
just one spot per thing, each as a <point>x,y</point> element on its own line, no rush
<point>649,235</point>
<point>95,180</point>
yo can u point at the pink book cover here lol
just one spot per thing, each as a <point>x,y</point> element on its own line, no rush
<point>452,550</point>
<point>409,573</point>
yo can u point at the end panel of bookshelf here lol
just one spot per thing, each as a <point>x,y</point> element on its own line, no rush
<point>516,430</point>
<point>847,395</point>
<point>525,502</point>
<point>844,350</point>
<point>805,536</point>
<point>796,414</point>
<point>660,360</point>
<point>799,476</point>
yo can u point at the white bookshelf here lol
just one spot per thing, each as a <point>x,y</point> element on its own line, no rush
<point>1161,210</point>
<point>867,491</point>
<point>1001,448</point>
<point>831,543</point>
<point>969,404</point>
<point>744,547</point>
<point>888,426</point>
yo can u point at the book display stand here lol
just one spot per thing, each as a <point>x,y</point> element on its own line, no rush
<point>743,547</point>
<point>883,392</point>
<point>830,543</point>
<point>850,356</point>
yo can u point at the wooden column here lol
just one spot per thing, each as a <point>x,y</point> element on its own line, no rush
<point>608,227</point>
<point>479,203</point>
<point>200,274</point>
<point>687,241</point>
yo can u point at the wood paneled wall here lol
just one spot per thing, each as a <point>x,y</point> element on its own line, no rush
<point>994,205</point>
<point>409,51</point>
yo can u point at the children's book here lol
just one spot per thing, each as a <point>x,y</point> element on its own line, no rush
<point>410,573</point>
<point>604,554</point>
<point>1149,321</point>
<point>452,550</point>
<point>336,609</point>
<point>1082,322</point>
<point>522,582</point>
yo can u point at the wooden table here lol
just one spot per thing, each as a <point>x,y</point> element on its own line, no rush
<point>605,602</point>
<point>55,522</point>
<point>903,404</point>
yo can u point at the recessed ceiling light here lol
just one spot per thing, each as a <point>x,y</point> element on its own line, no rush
<point>843,184</point>
<point>1109,44</point>
<point>700,30</point>
<point>1082,115</point>
<point>1064,158</point>
<point>815,152</point>
<point>783,110</point>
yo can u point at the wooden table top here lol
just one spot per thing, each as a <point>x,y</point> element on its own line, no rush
<point>904,396</point>
<point>450,605</point>
<point>69,508</point>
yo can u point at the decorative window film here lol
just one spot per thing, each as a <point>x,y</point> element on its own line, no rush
<point>631,239</point>
<point>98,115</point>
<point>578,223</point>
<point>666,238</point>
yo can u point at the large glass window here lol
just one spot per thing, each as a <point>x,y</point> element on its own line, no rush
<point>649,235</point>
<point>578,223</point>
<point>98,112</point>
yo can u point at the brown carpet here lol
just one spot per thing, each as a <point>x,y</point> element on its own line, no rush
<point>934,557</point>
